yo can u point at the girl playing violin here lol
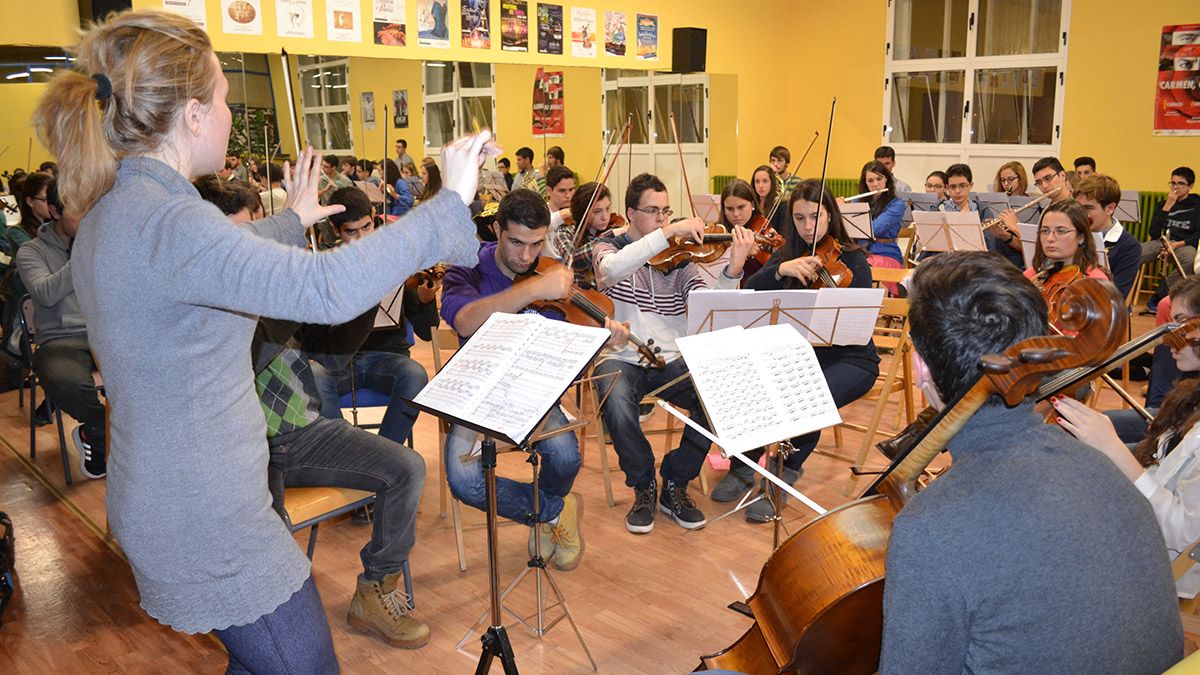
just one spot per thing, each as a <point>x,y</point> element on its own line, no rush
<point>1064,238</point>
<point>739,209</point>
<point>887,212</point>
<point>850,370</point>
<point>600,222</point>
<point>766,192</point>
<point>1165,465</point>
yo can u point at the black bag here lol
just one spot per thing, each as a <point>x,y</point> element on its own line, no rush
<point>7,561</point>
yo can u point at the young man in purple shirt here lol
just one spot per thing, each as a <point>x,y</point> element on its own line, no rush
<point>469,296</point>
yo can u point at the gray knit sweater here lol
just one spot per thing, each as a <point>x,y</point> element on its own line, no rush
<point>171,291</point>
<point>1033,554</point>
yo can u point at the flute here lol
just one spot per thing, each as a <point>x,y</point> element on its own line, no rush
<point>997,220</point>
<point>865,194</point>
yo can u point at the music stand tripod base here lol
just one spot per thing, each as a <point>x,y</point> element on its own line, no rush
<point>495,637</point>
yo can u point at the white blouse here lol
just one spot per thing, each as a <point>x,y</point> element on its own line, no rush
<point>1173,488</point>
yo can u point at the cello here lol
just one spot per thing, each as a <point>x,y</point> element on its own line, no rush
<point>818,606</point>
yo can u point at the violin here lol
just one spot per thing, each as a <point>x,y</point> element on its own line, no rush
<point>681,251</point>
<point>771,241</point>
<point>587,307</point>
<point>833,273</point>
<point>426,277</point>
<point>1052,280</point>
<point>818,606</point>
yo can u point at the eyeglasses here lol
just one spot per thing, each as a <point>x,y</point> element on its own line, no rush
<point>959,186</point>
<point>1044,180</point>
<point>1177,183</point>
<point>1005,180</point>
<point>655,212</point>
<point>934,186</point>
<point>1059,232</point>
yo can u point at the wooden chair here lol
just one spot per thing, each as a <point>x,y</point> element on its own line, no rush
<point>445,343</point>
<point>28,328</point>
<point>906,239</point>
<point>308,507</point>
<point>896,378</point>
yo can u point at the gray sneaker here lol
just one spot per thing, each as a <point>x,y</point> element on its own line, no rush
<point>734,483</point>
<point>761,511</point>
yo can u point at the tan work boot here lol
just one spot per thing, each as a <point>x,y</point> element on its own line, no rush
<point>381,607</point>
<point>568,539</point>
<point>546,532</point>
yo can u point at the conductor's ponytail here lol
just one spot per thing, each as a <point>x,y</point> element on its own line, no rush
<point>133,75</point>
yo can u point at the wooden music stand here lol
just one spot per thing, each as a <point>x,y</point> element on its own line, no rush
<point>856,219</point>
<point>949,230</point>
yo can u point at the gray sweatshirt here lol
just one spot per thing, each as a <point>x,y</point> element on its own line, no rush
<point>172,292</point>
<point>44,264</point>
<point>1033,554</point>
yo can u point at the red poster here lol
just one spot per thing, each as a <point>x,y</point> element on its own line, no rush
<point>548,119</point>
<point>1177,103</point>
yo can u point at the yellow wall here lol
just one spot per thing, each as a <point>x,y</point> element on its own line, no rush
<point>1109,112</point>
<point>16,127</point>
<point>39,22</point>
<point>381,76</point>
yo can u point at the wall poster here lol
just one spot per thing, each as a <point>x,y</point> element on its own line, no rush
<point>342,20</point>
<point>367,104</point>
<point>1177,98</point>
<point>294,18</point>
<point>432,30</point>
<point>476,24</point>
<point>400,108</point>
<point>550,28</point>
<point>548,112</point>
<point>241,17</point>
<point>388,17</point>
<point>196,10</point>
<point>647,37</point>
<point>514,25</point>
<point>614,33</point>
<point>583,32</point>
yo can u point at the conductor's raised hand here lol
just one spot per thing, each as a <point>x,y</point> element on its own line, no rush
<point>462,159</point>
<point>301,183</point>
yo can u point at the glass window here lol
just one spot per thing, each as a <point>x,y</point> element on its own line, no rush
<point>475,75</point>
<point>1008,27</point>
<point>476,113</point>
<point>439,123</point>
<point>1014,105</point>
<point>930,29</point>
<point>458,100</point>
<point>620,103</point>
<point>338,124</point>
<point>687,102</point>
<point>439,78</point>
<point>927,107</point>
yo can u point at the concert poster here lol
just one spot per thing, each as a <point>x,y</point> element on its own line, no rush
<point>367,104</point>
<point>241,17</point>
<point>550,28</point>
<point>647,37</point>
<point>476,26</point>
<point>389,22</point>
<point>614,33</point>
<point>514,25</point>
<point>196,10</point>
<point>294,18</point>
<point>432,30</point>
<point>583,32</point>
<point>1177,99</point>
<point>342,20</point>
<point>548,113</point>
<point>400,108</point>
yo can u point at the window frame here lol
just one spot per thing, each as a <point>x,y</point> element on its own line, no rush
<point>322,112</point>
<point>455,97</point>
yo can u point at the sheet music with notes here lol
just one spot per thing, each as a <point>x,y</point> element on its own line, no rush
<point>949,231</point>
<point>759,385</point>
<point>511,372</point>
<point>828,316</point>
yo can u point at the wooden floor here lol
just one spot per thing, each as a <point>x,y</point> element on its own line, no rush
<point>644,604</point>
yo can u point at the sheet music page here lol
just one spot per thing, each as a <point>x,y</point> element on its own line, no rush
<point>511,371</point>
<point>716,308</point>
<point>758,385</point>
<point>850,314</point>
<point>390,310</point>
<point>949,231</point>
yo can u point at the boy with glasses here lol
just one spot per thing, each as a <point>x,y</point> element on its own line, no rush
<point>1179,217</point>
<point>654,304</point>
<point>1003,238</point>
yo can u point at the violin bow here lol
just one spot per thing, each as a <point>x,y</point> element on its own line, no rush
<point>824,168</point>
<point>787,169</point>
<point>683,169</point>
<point>569,255</point>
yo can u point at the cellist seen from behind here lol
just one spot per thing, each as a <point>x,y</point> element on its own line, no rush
<point>1033,554</point>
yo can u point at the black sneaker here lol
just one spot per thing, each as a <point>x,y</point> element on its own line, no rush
<point>676,503</point>
<point>92,460</point>
<point>640,518</point>
<point>43,415</point>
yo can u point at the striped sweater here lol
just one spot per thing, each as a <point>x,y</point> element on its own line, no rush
<point>654,303</point>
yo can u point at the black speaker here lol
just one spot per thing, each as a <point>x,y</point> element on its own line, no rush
<point>96,10</point>
<point>688,50</point>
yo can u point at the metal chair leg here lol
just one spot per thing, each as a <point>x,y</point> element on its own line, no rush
<point>62,446</point>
